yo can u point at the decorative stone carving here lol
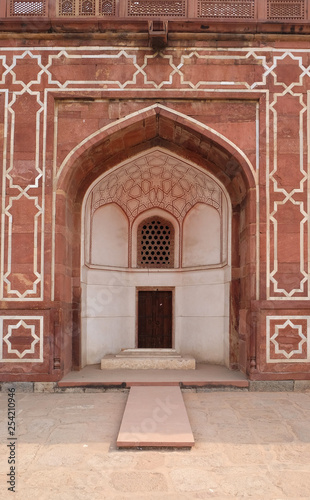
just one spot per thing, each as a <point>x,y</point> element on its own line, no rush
<point>157,180</point>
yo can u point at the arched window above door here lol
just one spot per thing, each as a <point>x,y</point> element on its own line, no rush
<point>155,243</point>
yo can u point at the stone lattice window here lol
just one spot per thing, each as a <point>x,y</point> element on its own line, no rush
<point>155,243</point>
<point>28,7</point>
<point>86,7</point>
<point>156,8</point>
<point>66,7</point>
<point>286,9</point>
<point>227,9</point>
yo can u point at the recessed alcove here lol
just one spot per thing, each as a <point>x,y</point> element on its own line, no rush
<point>109,237</point>
<point>156,187</point>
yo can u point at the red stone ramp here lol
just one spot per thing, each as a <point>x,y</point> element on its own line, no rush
<point>155,416</point>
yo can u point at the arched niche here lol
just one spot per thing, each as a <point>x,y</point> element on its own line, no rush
<point>109,237</point>
<point>203,237</point>
<point>193,202</point>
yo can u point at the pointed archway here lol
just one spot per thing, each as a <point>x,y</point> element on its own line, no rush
<point>191,141</point>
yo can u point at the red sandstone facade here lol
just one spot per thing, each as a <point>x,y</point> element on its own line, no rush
<point>82,92</point>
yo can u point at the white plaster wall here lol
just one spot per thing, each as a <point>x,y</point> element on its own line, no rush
<point>202,236</point>
<point>202,320</point>
<point>201,311</point>
<point>109,237</point>
<point>108,313</point>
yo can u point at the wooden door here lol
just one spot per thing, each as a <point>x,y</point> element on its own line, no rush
<point>155,319</point>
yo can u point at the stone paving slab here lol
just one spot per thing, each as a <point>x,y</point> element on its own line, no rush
<point>247,445</point>
<point>155,416</point>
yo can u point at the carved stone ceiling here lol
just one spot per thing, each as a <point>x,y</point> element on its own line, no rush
<point>156,180</point>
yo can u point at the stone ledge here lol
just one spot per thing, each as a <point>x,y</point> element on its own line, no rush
<point>154,353</point>
<point>301,385</point>
<point>44,386</point>
<point>271,385</point>
<point>18,386</point>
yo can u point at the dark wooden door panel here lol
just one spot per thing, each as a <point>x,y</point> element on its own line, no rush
<point>144,319</point>
<point>155,319</point>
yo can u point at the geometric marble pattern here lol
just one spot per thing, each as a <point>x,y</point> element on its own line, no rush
<point>21,339</point>
<point>288,339</point>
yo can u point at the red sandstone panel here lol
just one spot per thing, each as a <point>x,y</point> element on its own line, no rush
<point>115,69</point>
<point>23,203</point>
<point>284,342</point>
<point>25,346</point>
<point>215,69</point>
<point>288,187</point>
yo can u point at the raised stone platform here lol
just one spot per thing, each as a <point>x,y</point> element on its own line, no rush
<point>148,359</point>
<point>155,416</point>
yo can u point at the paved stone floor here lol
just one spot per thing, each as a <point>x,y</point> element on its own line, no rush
<point>248,445</point>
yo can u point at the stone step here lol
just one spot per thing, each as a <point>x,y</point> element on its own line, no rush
<point>147,362</point>
<point>148,353</point>
<point>155,417</point>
